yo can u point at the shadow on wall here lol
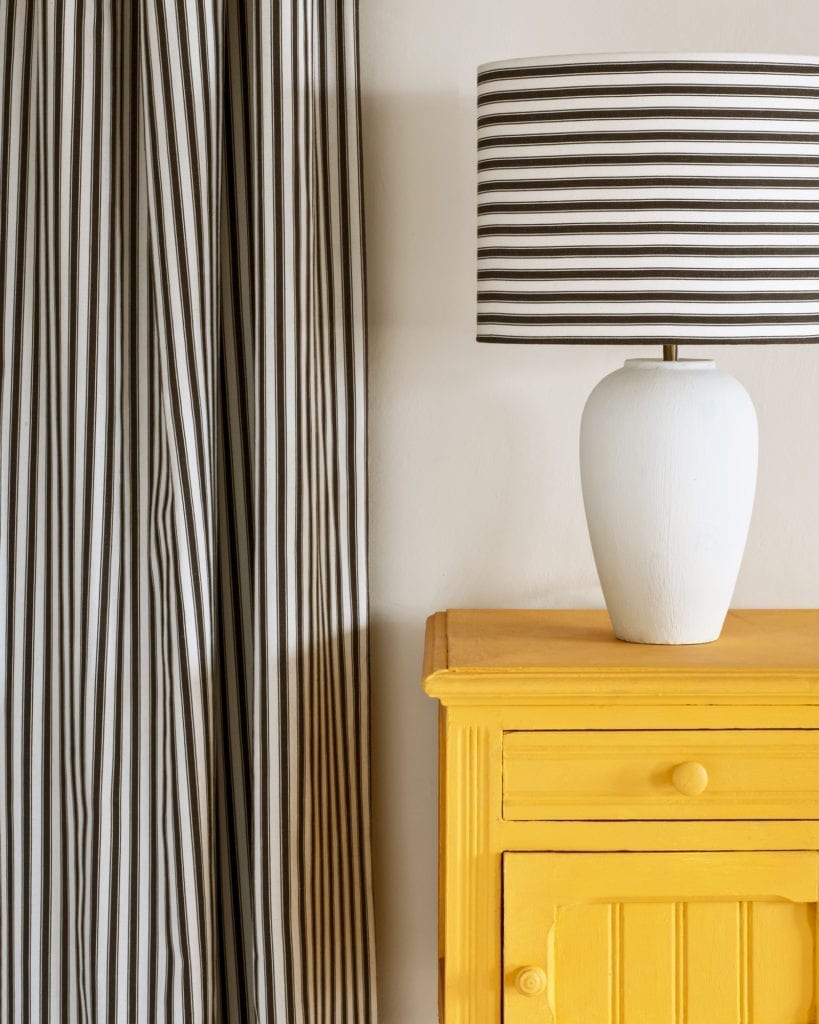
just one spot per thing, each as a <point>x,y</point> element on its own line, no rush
<point>405,795</point>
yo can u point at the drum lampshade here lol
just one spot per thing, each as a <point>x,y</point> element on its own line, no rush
<point>649,199</point>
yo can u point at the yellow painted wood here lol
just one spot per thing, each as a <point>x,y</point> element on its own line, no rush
<point>782,941</point>
<point>579,877</point>
<point>777,640</point>
<point>471,990</point>
<point>531,981</point>
<point>690,778</point>
<point>710,949</point>
<point>726,894</point>
<point>647,969</point>
<point>706,938</point>
<point>651,835</point>
<point>762,773</point>
<point>665,711</point>
<point>585,931</point>
<point>532,657</point>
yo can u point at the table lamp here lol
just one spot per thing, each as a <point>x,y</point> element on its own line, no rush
<point>657,199</point>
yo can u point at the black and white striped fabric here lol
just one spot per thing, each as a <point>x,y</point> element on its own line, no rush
<point>649,198</point>
<point>184,801</point>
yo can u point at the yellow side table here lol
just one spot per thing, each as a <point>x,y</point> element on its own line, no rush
<point>629,833</point>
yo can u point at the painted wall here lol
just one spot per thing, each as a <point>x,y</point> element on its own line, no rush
<point>475,495</point>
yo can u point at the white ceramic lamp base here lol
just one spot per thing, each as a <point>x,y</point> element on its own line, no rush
<point>668,459</point>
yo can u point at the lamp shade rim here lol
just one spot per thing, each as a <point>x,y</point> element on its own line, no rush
<point>617,57</point>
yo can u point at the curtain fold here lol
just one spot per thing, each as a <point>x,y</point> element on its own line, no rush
<point>184,761</point>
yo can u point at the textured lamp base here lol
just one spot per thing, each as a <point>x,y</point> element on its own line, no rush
<point>668,458</point>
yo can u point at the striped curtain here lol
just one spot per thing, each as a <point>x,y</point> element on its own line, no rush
<point>184,748</point>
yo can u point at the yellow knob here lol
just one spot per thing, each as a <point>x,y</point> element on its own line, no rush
<point>690,778</point>
<point>531,981</point>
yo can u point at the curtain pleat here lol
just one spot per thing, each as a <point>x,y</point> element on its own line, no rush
<point>184,757</point>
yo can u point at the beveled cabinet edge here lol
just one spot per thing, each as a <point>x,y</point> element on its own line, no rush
<point>436,654</point>
<point>475,687</point>
<point>545,685</point>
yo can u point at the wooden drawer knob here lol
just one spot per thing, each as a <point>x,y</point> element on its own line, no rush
<point>531,981</point>
<point>690,778</point>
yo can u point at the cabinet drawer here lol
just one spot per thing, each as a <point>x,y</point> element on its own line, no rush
<point>576,776</point>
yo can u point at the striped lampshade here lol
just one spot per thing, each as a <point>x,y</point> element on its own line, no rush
<point>649,199</point>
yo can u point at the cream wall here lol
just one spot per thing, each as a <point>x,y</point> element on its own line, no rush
<point>475,497</point>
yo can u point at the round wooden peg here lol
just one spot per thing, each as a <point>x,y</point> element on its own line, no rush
<point>690,778</point>
<point>531,981</point>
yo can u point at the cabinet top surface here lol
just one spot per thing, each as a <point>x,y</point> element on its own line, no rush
<point>475,643</point>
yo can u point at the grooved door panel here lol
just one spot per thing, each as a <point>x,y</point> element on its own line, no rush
<point>661,938</point>
<point>621,775</point>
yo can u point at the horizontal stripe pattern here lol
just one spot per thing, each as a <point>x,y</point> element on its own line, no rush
<point>664,172</point>
<point>184,740</point>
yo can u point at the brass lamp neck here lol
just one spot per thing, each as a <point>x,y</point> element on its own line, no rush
<point>669,353</point>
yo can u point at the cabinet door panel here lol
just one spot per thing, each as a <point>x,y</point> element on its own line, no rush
<point>665,938</point>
